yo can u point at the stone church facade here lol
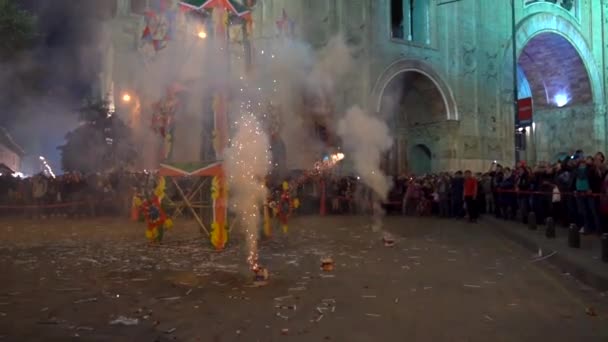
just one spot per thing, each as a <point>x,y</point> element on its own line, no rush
<point>441,72</point>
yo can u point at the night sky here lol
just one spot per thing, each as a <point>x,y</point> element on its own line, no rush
<point>66,56</point>
<point>67,29</point>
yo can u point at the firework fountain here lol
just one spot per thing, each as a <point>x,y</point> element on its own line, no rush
<point>247,164</point>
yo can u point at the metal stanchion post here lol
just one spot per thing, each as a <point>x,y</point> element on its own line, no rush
<point>532,221</point>
<point>574,238</point>
<point>605,247</point>
<point>550,229</point>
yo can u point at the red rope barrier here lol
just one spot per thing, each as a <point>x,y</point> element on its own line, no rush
<point>550,193</point>
<point>45,206</point>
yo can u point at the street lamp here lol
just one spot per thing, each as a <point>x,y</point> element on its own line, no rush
<point>202,34</point>
<point>126,98</point>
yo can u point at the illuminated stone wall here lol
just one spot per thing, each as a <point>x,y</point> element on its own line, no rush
<point>468,56</point>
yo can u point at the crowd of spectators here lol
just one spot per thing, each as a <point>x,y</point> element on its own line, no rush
<point>573,190</point>
<point>69,194</point>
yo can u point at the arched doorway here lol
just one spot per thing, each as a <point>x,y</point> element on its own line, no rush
<point>420,160</point>
<point>555,62</point>
<point>413,104</point>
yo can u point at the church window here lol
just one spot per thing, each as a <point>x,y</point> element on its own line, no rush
<point>397,22</point>
<point>410,20</point>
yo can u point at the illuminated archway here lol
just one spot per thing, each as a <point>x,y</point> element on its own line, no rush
<point>565,85</point>
<point>555,72</point>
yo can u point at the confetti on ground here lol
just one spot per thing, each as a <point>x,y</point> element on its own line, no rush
<point>86,300</point>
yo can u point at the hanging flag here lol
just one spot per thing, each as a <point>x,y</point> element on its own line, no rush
<point>160,23</point>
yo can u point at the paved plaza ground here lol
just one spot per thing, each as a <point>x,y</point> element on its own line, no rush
<point>65,280</point>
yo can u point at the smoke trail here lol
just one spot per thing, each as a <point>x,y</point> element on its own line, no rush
<point>365,139</point>
<point>298,73</point>
<point>247,164</point>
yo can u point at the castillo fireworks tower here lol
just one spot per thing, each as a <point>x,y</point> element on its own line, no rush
<point>218,19</point>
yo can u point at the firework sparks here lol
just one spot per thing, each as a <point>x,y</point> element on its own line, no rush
<point>319,168</point>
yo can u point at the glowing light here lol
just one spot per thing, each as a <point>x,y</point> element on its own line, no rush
<point>47,167</point>
<point>126,98</point>
<point>561,99</point>
<point>202,34</point>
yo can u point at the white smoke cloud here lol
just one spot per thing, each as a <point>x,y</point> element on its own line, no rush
<point>366,138</point>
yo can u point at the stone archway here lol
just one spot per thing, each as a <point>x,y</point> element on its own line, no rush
<point>410,65</point>
<point>564,83</point>
<point>418,111</point>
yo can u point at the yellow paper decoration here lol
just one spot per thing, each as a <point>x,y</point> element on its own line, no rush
<point>215,188</point>
<point>219,235</point>
<point>136,202</point>
<point>152,234</point>
<point>160,188</point>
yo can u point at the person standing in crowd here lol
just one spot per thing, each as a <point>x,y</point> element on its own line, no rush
<point>584,198</point>
<point>486,188</point>
<point>596,179</point>
<point>604,204</point>
<point>410,199</point>
<point>458,195</point>
<point>496,175</point>
<point>508,200</point>
<point>470,195</point>
<point>523,191</point>
<point>39,189</point>
<point>543,188</point>
<point>443,190</point>
<point>481,199</point>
